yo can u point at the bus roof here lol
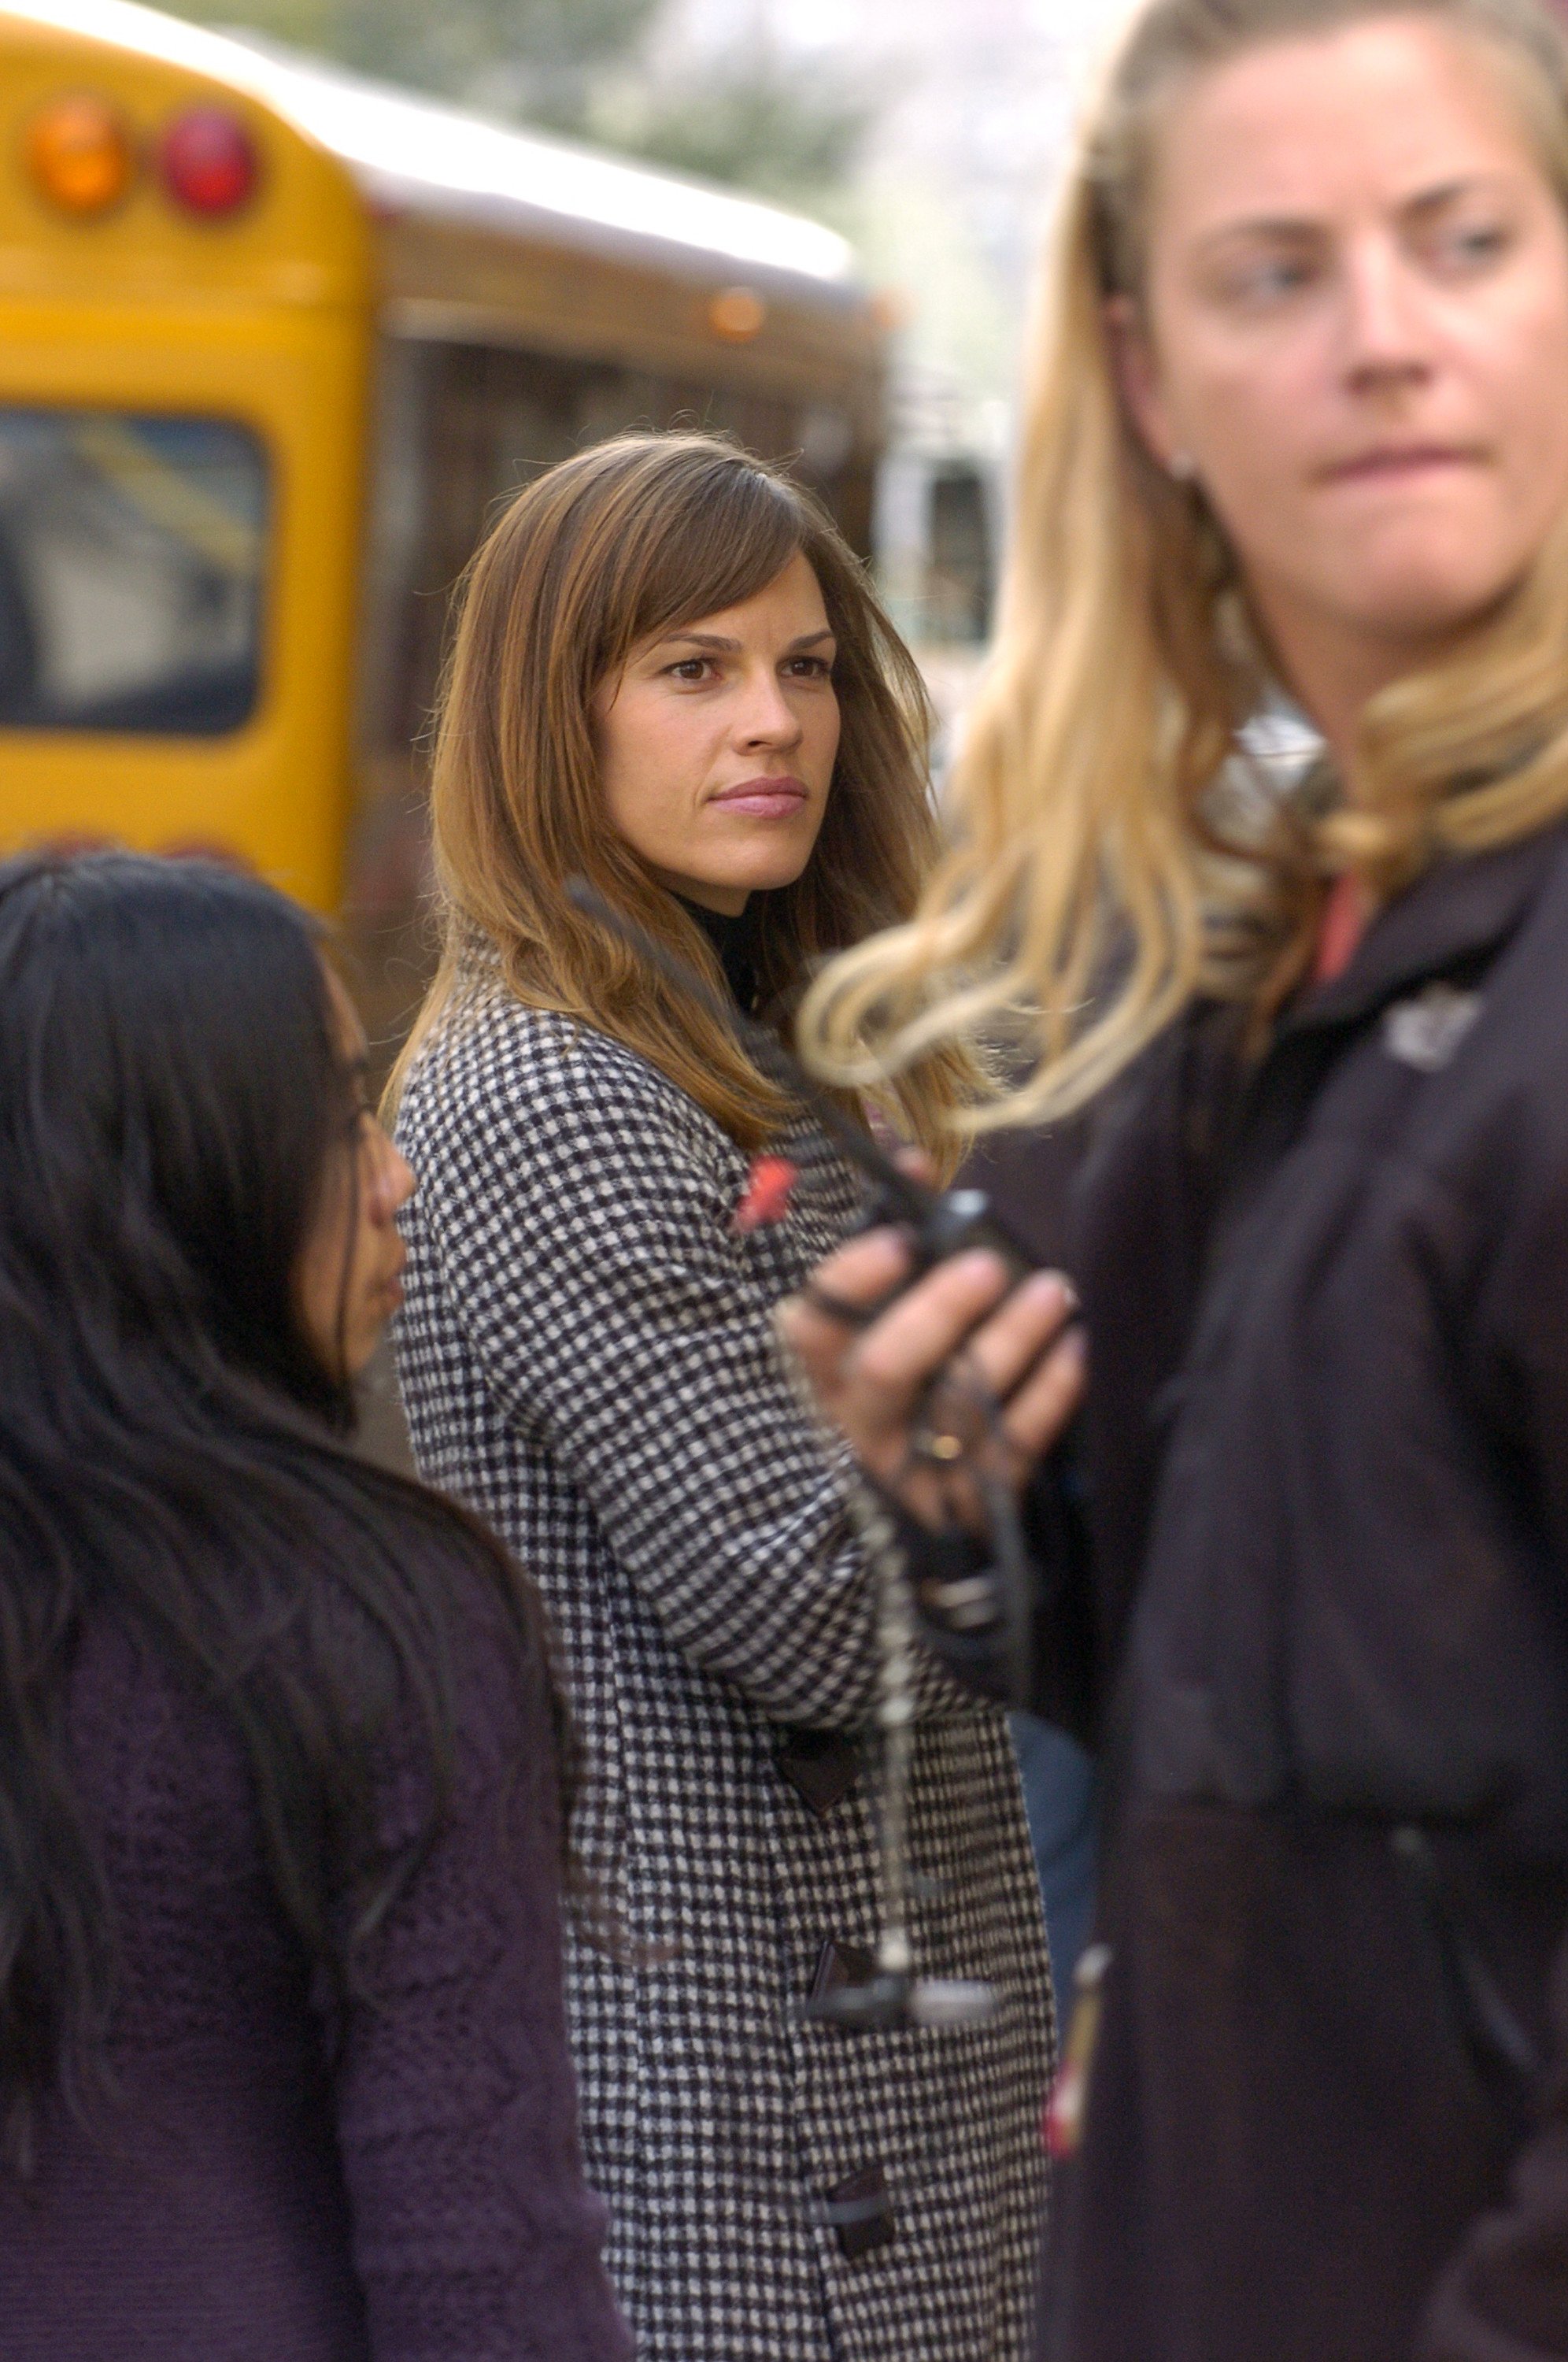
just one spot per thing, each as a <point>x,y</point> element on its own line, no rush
<point>410,154</point>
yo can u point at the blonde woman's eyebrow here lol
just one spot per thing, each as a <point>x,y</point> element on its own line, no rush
<point>1281,228</point>
<point>1450,192</point>
<point>1299,228</point>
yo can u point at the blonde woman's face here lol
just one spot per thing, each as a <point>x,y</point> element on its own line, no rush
<point>716,744</point>
<point>1356,333</point>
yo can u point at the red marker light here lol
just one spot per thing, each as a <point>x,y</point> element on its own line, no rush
<point>208,161</point>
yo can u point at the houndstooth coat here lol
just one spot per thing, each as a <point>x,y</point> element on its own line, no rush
<point>586,1357</point>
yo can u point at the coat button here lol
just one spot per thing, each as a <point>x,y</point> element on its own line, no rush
<point>861,2211</point>
<point>822,1766</point>
<point>840,1964</point>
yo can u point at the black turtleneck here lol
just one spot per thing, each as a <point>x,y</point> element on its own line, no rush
<point>735,940</point>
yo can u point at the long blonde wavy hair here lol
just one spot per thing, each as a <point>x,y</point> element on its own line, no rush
<point>631,539</point>
<point>1096,881</point>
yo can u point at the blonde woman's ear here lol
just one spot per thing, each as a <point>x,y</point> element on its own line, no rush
<point>1138,382</point>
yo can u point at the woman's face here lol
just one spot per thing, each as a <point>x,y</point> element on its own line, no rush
<point>347,1285</point>
<point>1356,331</point>
<point>716,744</point>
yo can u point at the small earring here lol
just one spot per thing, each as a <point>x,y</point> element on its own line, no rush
<point>1183,467</point>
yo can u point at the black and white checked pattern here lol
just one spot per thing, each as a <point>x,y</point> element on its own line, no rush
<point>587,1356</point>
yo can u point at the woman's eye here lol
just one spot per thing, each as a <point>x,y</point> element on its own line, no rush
<point>1468,246</point>
<point>810,668</point>
<point>1272,279</point>
<point>691,669</point>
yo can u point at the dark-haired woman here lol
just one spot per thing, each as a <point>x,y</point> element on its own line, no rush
<point>283,2063</point>
<point>670,676</point>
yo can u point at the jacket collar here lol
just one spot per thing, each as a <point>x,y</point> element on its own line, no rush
<point>1459,908</point>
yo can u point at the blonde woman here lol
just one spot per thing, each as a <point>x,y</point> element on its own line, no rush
<point>1300,423</point>
<point>670,677</point>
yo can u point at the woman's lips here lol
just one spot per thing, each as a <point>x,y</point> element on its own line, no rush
<point>764,798</point>
<point>1392,464</point>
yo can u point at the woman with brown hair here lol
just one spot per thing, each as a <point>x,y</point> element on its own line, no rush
<point>670,678</point>
<point>1300,424</point>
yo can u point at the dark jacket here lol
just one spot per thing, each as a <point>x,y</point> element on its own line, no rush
<point>1321,1634</point>
<point>265,2177</point>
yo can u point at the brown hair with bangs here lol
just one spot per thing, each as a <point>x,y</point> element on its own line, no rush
<point>619,545</point>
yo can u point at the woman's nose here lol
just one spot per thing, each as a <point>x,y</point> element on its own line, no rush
<point>1384,317</point>
<point>767,718</point>
<point>395,1180</point>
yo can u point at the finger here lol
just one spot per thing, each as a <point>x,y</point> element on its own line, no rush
<point>1048,1398</point>
<point>1001,1352</point>
<point>863,1273</point>
<point>819,1343</point>
<point>894,1360</point>
<point>869,1268</point>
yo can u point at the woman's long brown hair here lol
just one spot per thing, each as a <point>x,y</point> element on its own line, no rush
<point>625,541</point>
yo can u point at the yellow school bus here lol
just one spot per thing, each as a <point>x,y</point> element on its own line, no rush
<point>273,343</point>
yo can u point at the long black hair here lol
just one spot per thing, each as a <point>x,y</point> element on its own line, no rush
<point>174,1093</point>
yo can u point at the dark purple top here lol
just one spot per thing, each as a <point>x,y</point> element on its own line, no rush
<point>267,2184</point>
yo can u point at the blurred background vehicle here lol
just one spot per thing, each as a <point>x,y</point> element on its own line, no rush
<point>272,343</point>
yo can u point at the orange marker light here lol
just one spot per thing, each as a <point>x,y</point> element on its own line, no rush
<point>208,161</point>
<point>80,154</point>
<point>737,314</point>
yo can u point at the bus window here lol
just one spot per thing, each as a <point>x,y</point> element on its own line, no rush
<point>131,553</point>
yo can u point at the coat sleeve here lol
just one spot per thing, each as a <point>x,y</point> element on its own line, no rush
<point>476,2237</point>
<point>581,1234</point>
<point>1504,2297</point>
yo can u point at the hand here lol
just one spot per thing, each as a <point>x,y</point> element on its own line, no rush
<point>876,1383</point>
